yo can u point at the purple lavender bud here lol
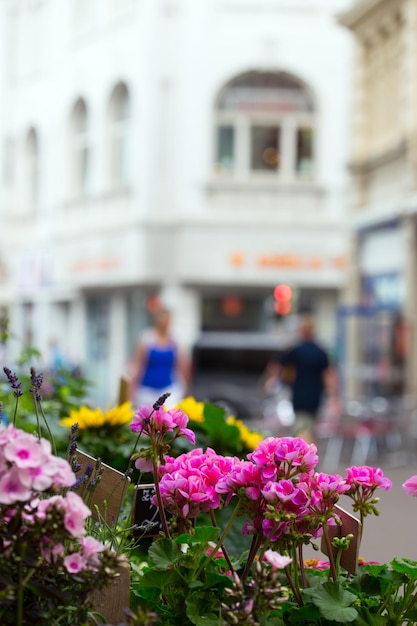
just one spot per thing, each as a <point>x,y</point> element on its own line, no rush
<point>161,401</point>
<point>15,383</point>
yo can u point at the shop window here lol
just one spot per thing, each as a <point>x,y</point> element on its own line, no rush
<point>119,135</point>
<point>265,124</point>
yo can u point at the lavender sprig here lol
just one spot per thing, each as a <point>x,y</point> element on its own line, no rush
<point>16,385</point>
<point>36,380</point>
<point>14,381</point>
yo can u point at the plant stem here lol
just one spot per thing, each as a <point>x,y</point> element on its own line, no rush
<point>159,499</point>
<point>223,548</point>
<point>220,541</point>
<point>329,550</point>
<point>295,591</point>
<point>301,564</point>
<point>15,412</point>
<point>256,542</point>
<point>20,594</point>
<point>51,437</point>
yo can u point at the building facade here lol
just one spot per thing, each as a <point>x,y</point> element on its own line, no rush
<point>381,294</point>
<point>188,150</point>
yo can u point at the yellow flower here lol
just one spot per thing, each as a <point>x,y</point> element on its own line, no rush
<point>95,418</point>
<point>249,437</point>
<point>192,408</point>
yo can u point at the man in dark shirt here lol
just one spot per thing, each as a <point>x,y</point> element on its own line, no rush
<point>310,363</point>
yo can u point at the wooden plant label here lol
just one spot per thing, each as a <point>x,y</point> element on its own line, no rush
<point>109,493</point>
<point>350,526</point>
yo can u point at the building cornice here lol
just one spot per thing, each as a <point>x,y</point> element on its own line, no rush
<point>361,11</point>
<point>365,166</point>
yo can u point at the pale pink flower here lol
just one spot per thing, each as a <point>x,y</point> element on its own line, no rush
<point>36,478</point>
<point>62,472</point>
<point>11,487</point>
<point>278,561</point>
<point>75,514</point>
<point>51,551</point>
<point>144,464</point>
<point>91,546</point>
<point>26,451</point>
<point>410,486</point>
<point>75,563</point>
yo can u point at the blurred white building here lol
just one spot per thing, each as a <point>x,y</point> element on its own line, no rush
<point>190,148</point>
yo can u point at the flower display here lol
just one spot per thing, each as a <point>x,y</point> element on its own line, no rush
<point>47,557</point>
<point>283,502</point>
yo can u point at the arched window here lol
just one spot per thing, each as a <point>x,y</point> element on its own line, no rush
<point>119,136</point>
<point>32,167</point>
<point>80,147</point>
<point>265,124</point>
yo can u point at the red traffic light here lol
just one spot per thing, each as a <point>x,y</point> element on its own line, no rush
<point>282,295</point>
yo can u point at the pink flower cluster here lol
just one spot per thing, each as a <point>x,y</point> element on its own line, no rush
<point>28,465</point>
<point>188,483</point>
<point>28,469</point>
<point>157,422</point>
<point>277,487</point>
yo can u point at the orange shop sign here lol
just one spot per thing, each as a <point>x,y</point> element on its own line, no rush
<point>289,261</point>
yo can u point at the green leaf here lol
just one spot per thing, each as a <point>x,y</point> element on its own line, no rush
<point>152,579</point>
<point>307,614</point>
<point>405,566</point>
<point>366,618</point>
<point>202,534</point>
<point>164,553</point>
<point>371,585</point>
<point>199,613</point>
<point>334,602</point>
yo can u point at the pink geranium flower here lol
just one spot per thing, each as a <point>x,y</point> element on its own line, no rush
<point>157,422</point>
<point>284,457</point>
<point>368,478</point>
<point>410,486</point>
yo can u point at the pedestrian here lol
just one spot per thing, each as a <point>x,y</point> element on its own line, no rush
<point>158,365</point>
<point>309,363</point>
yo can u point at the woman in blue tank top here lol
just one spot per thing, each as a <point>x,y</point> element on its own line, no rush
<point>158,366</point>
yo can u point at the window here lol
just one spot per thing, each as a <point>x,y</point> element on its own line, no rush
<point>80,148</point>
<point>265,125</point>
<point>32,167</point>
<point>119,136</point>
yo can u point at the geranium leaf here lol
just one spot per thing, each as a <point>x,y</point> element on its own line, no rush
<point>405,566</point>
<point>164,553</point>
<point>366,618</point>
<point>334,602</point>
<point>199,614</point>
<point>157,580</point>
<point>202,534</point>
